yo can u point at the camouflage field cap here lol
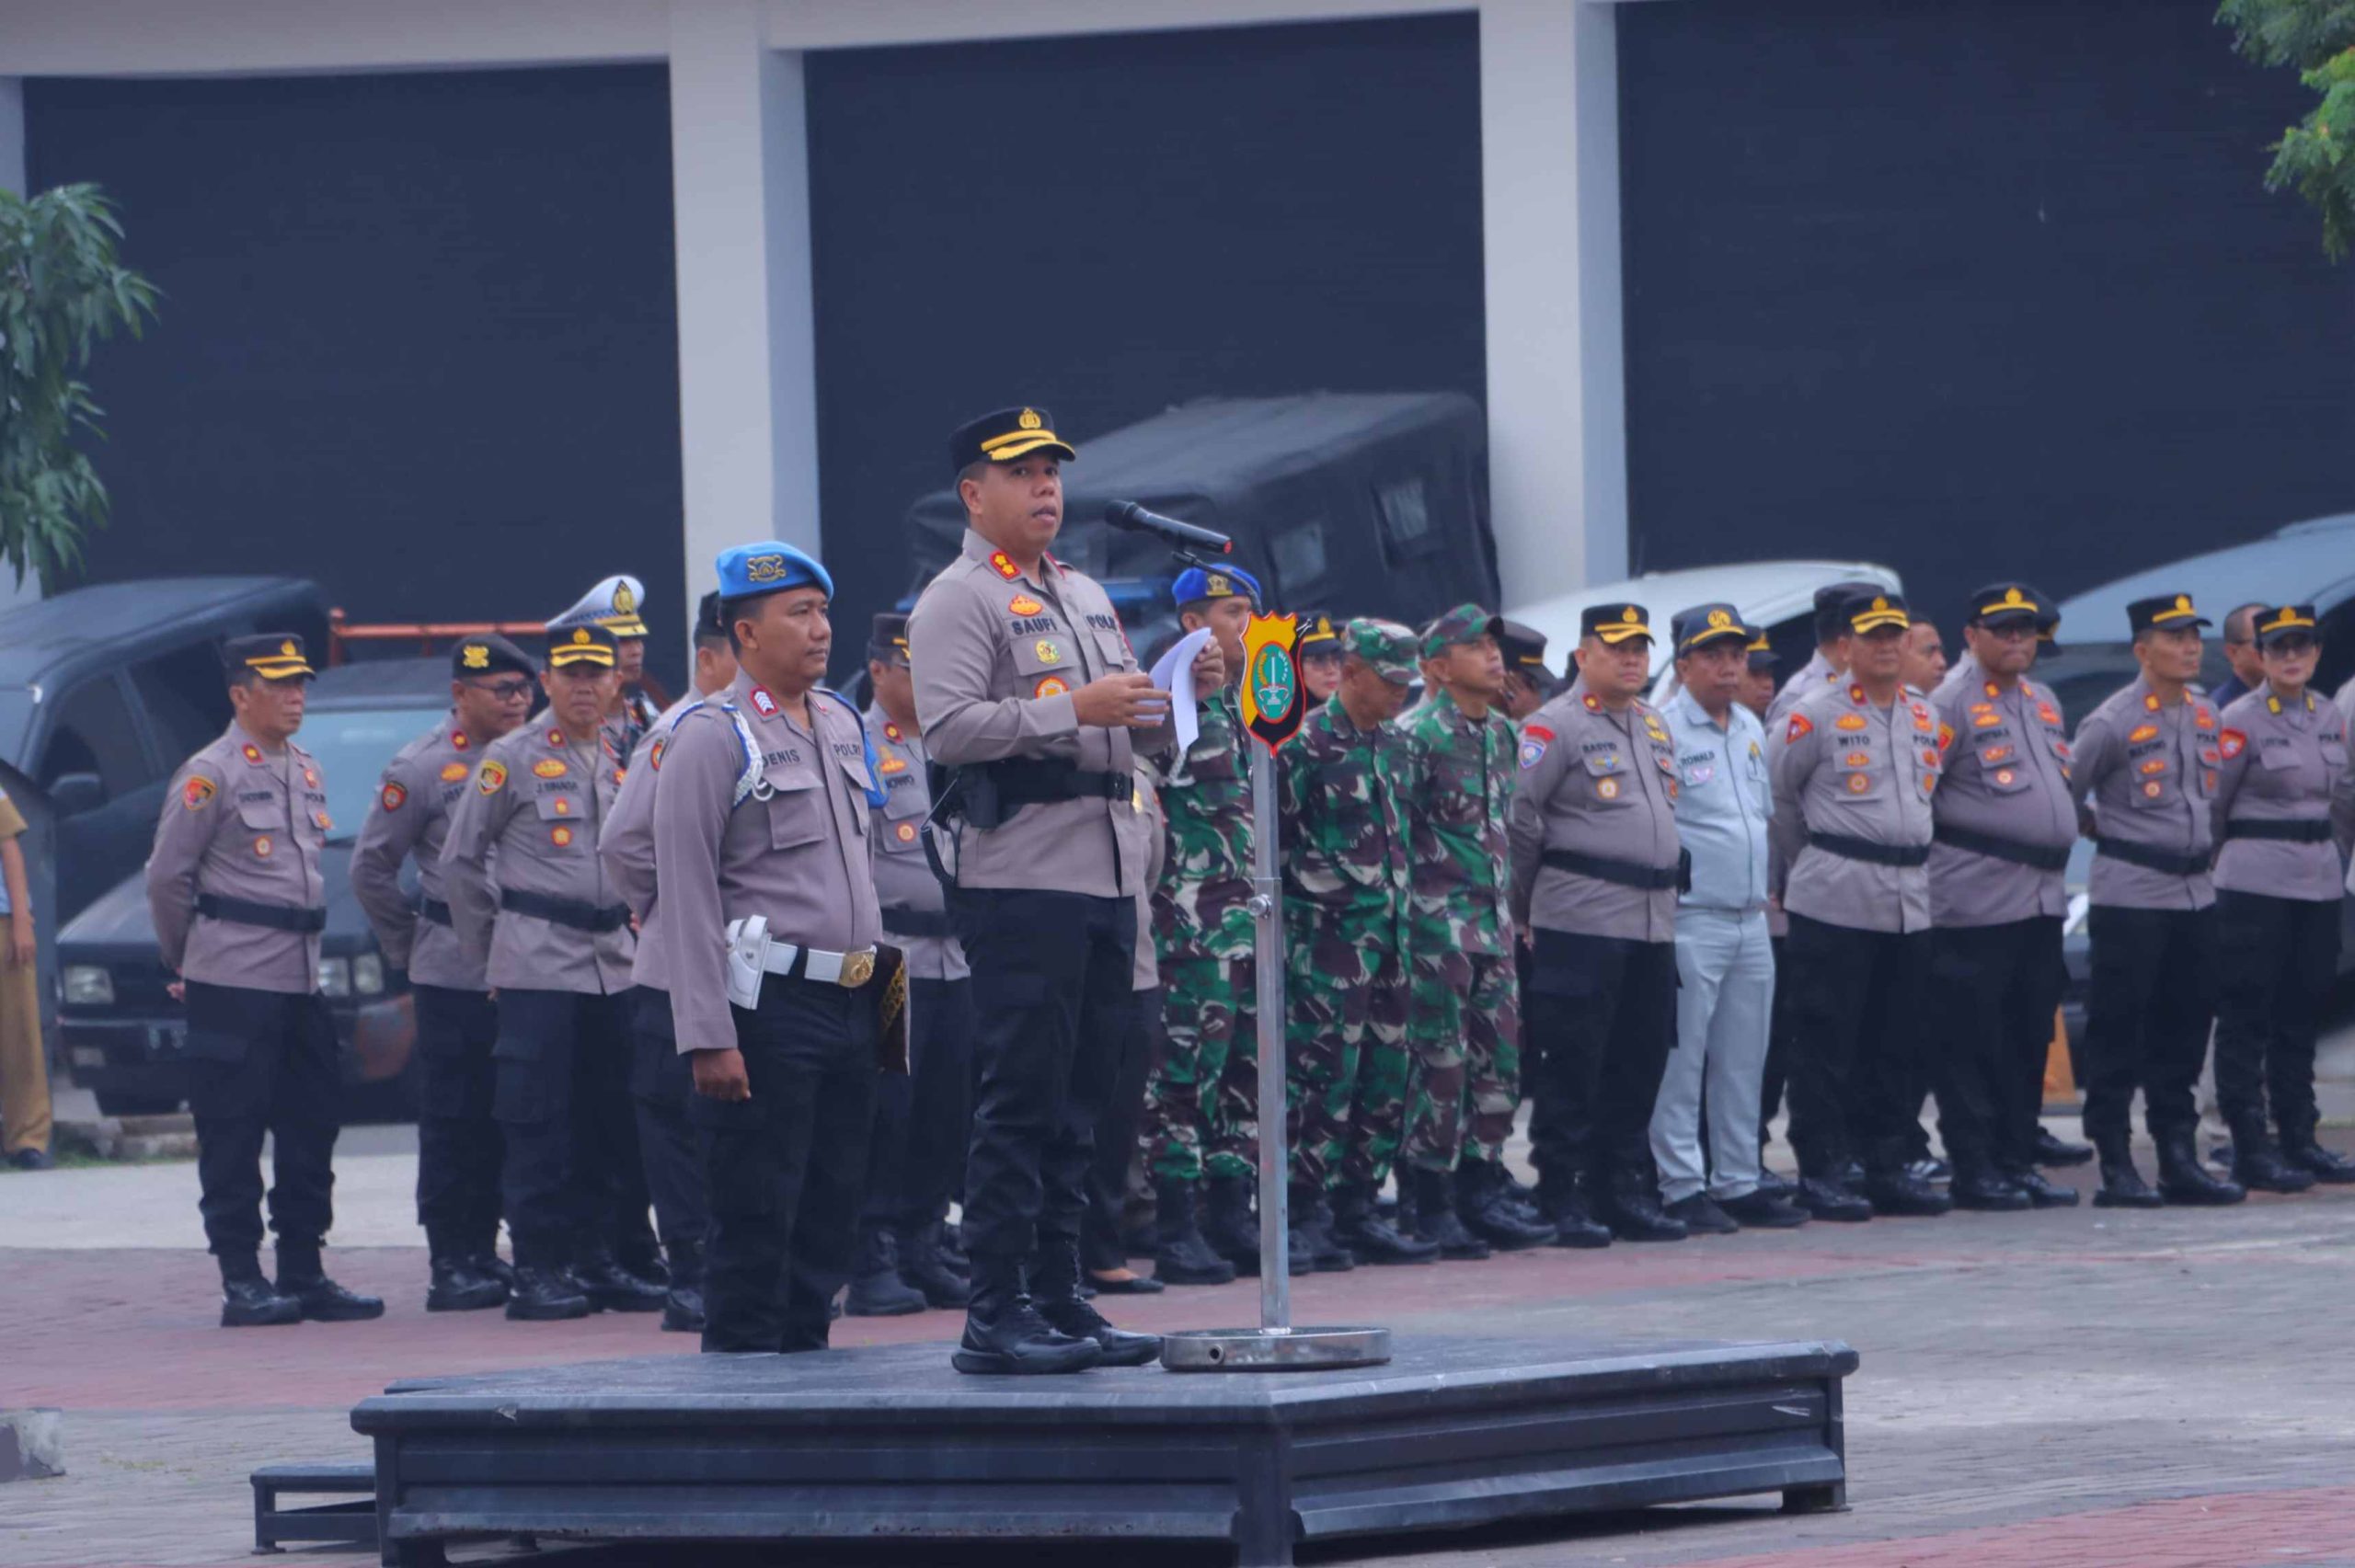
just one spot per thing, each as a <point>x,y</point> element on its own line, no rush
<point>1464,623</point>
<point>1386,645</point>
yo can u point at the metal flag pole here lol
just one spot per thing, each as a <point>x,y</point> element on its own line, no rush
<point>1272,708</point>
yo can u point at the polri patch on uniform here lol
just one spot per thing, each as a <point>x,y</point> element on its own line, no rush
<point>1021,604</point>
<point>1533,742</point>
<point>1047,651</point>
<point>1860,782</point>
<point>252,753</point>
<point>550,767</point>
<point>1051,686</point>
<point>1607,789</point>
<point>905,833</point>
<point>1799,730</point>
<point>196,793</point>
<point>1946,736</point>
<point>2151,790</point>
<point>654,754</point>
<point>762,703</point>
<point>394,797</point>
<point>2231,743</point>
<point>322,821</point>
<point>492,777</point>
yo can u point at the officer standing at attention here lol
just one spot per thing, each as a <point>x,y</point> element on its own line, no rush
<point>1854,771</point>
<point>660,1086</point>
<point>2285,810</point>
<point>525,883</point>
<point>926,1117</point>
<point>1201,1101</point>
<point>234,888</point>
<point>1830,661</point>
<point>1100,1242</point>
<point>1595,868</point>
<point>457,1140</point>
<point>1725,970</point>
<point>1347,884</point>
<point>780,997</point>
<point>2006,819</point>
<point>1027,686</point>
<point>615,604</point>
<point>1464,1020</point>
<point>2148,762</point>
<point>1318,652</point>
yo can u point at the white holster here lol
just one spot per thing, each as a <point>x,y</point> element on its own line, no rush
<point>748,957</point>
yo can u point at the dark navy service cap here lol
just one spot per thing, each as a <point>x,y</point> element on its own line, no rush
<point>1004,435</point>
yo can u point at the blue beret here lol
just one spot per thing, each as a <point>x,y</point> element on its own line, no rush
<point>1215,582</point>
<point>770,567</point>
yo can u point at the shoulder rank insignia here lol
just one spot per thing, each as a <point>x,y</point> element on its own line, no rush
<point>1003,563</point>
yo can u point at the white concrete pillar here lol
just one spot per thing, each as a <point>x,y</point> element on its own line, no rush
<point>12,134</point>
<point>1558,461</point>
<point>748,416</point>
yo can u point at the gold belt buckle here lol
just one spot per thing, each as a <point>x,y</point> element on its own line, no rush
<point>857,969</point>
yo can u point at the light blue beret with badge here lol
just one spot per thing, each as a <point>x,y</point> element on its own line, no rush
<point>748,571</point>
<point>1198,583</point>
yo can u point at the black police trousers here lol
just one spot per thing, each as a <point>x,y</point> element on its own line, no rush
<point>458,1143</point>
<point>263,1062</point>
<point>1603,1012</point>
<point>1052,978</point>
<point>2276,959</point>
<point>661,1083</point>
<point>562,1101</point>
<point>1777,1070</point>
<point>1994,991</point>
<point>1100,1246</point>
<point>787,1168</point>
<point>1857,1015</point>
<point>924,1120</point>
<point>2150,999</point>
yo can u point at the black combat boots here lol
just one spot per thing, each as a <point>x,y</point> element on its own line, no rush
<point>1180,1256</point>
<point>1054,1292</point>
<point>1005,1335</point>
<point>2184,1179</point>
<point>1358,1225</point>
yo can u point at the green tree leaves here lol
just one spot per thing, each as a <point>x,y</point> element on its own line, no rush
<point>62,292</point>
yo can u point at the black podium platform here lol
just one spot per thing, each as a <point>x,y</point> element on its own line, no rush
<point>878,1445</point>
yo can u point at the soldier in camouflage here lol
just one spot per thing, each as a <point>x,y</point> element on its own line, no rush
<point>1464,1018</point>
<point>1201,1102</point>
<point>1346,890</point>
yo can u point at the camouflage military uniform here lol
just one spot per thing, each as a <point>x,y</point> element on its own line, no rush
<point>1346,883</point>
<point>1201,1103</point>
<point>1463,1021</point>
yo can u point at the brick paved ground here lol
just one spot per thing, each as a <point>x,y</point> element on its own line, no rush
<point>2082,1386</point>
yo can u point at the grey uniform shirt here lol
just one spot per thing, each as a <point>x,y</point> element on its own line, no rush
<point>1843,766</point>
<point>1596,782</point>
<point>1724,804</point>
<point>2006,759</point>
<point>625,844</point>
<point>996,653</point>
<point>794,850</point>
<point>2150,771</point>
<point>903,878</point>
<point>528,824</point>
<point>239,823</point>
<point>2282,761</point>
<point>1145,973</point>
<point>411,815</point>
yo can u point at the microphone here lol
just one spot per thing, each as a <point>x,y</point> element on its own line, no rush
<point>1136,520</point>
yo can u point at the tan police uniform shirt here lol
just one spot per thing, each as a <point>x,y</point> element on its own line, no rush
<point>2282,761</point>
<point>1596,782</point>
<point>2150,771</point>
<point>411,815</point>
<point>1843,766</point>
<point>794,850</point>
<point>625,843</point>
<point>240,824</point>
<point>1146,973</point>
<point>2006,753</point>
<point>903,878</point>
<point>528,824</point>
<point>996,653</point>
<point>1815,675</point>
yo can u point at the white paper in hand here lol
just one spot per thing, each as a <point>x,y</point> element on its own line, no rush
<point>1175,666</point>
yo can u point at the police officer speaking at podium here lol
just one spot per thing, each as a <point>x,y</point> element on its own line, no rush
<point>1027,686</point>
<point>234,887</point>
<point>781,992</point>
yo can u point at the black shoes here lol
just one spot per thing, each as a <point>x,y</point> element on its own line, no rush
<point>2043,1190</point>
<point>613,1288</point>
<point>2258,1166</point>
<point>31,1159</point>
<point>1055,1285</point>
<point>459,1285</point>
<point>251,1301</point>
<point>2122,1185</point>
<point>322,1300</point>
<point>1371,1239</point>
<point>926,1271</point>
<point>1314,1249</point>
<point>1436,1220</point>
<point>545,1295</point>
<point>1230,1226</point>
<point>1893,1192</point>
<point>1701,1216</point>
<point>2183,1181</point>
<point>1566,1209</point>
<point>1634,1212</point>
<point>1984,1190</point>
<point>1763,1210</point>
<point>1007,1336</point>
<point>1485,1202</point>
<point>876,1289</point>
<point>683,1302</point>
<point>1180,1255</point>
<point>1826,1198</point>
<point>2323,1164</point>
<point>2050,1150</point>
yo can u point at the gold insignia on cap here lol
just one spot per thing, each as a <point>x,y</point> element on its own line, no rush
<point>1879,604</point>
<point>2182,601</point>
<point>1633,616</point>
<point>1719,619</point>
<point>765,568</point>
<point>581,635</point>
<point>1029,420</point>
<point>2012,595</point>
<point>1218,585</point>
<point>475,656</point>
<point>290,650</point>
<point>623,600</point>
